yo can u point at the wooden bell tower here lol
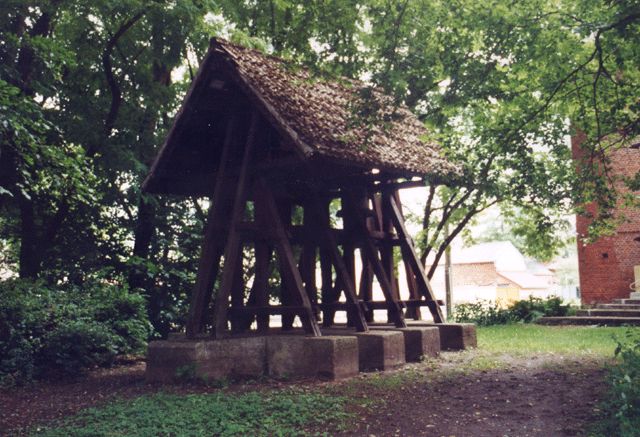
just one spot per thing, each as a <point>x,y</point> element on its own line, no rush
<point>293,200</point>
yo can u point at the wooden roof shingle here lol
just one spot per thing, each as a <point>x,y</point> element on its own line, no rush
<point>322,118</point>
<point>323,115</point>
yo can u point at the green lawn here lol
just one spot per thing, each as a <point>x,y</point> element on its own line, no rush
<point>519,339</point>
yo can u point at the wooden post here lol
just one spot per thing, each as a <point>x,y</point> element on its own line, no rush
<point>237,294</point>
<point>287,290</point>
<point>262,267</point>
<point>234,246</point>
<point>213,243</point>
<point>412,285</point>
<point>344,277</point>
<point>285,254</point>
<point>348,252</point>
<point>371,252</point>
<point>421,278</point>
<point>309,252</point>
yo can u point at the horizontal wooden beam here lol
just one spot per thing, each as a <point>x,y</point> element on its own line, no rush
<point>337,306</point>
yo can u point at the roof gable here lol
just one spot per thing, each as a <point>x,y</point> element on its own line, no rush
<point>316,116</point>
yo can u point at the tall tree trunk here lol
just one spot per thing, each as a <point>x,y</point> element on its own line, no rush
<point>145,226</point>
<point>143,235</point>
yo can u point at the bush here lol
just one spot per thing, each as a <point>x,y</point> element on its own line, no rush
<point>533,308</point>
<point>66,329</point>
<point>485,312</point>
<point>621,409</point>
<point>482,313</point>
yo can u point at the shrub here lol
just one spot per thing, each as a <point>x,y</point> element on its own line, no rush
<point>482,313</point>
<point>621,409</point>
<point>533,308</point>
<point>65,329</point>
<point>485,312</point>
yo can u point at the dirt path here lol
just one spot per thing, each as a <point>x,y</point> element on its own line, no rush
<point>552,399</point>
<point>451,396</point>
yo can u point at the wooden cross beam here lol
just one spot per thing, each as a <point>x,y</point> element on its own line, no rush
<point>285,254</point>
<point>214,241</point>
<point>344,276</point>
<point>424,286</point>
<point>371,252</point>
<point>234,243</point>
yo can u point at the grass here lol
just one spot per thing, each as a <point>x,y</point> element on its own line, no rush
<point>525,340</point>
<point>303,410</point>
<point>282,413</point>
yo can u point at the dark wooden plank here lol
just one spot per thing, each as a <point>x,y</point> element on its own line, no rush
<point>285,254</point>
<point>263,253</point>
<point>377,304</point>
<point>421,278</point>
<point>393,307</point>
<point>213,244</point>
<point>344,276</point>
<point>309,258</point>
<point>262,311</point>
<point>237,294</point>
<point>327,293</point>
<point>412,285</point>
<point>287,288</point>
<point>234,245</point>
<point>348,257</point>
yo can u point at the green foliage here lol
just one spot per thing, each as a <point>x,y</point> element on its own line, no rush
<point>67,329</point>
<point>621,409</point>
<point>282,413</point>
<point>533,308</point>
<point>482,313</point>
<point>88,91</point>
<point>486,313</point>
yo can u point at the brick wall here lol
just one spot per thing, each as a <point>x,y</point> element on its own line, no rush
<point>606,266</point>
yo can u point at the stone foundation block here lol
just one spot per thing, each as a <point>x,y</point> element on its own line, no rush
<point>243,357</point>
<point>453,336</point>
<point>377,349</point>
<point>419,341</point>
<point>327,357</point>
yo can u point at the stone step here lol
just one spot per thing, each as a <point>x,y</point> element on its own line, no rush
<point>608,313</point>
<point>618,306</point>
<point>626,301</point>
<point>601,321</point>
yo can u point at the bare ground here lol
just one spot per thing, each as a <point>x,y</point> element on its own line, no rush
<point>460,394</point>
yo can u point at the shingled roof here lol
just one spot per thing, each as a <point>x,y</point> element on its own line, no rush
<point>321,117</point>
<point>322,113</point>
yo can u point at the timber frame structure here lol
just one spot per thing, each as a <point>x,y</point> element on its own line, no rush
<point>273,148</point>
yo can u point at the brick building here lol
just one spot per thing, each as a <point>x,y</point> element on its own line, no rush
<point>607,266</point>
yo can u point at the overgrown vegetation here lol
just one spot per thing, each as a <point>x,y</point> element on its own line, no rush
<point>485,312</point>
<point>276,413</point>
<point>66,329</point>
<point>621,415</point>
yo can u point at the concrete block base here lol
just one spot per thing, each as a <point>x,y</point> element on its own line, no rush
<point>206,359</point>
<point>453,336</point>
<point>419,342</point>
<point>377,349</point>
<point>327,357</point>
<point>280,356</point>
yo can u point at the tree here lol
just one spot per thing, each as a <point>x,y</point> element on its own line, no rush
<point>500,85</point>
<point>88,89</point>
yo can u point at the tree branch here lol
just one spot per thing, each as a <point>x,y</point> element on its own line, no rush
<point>114,87</point>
